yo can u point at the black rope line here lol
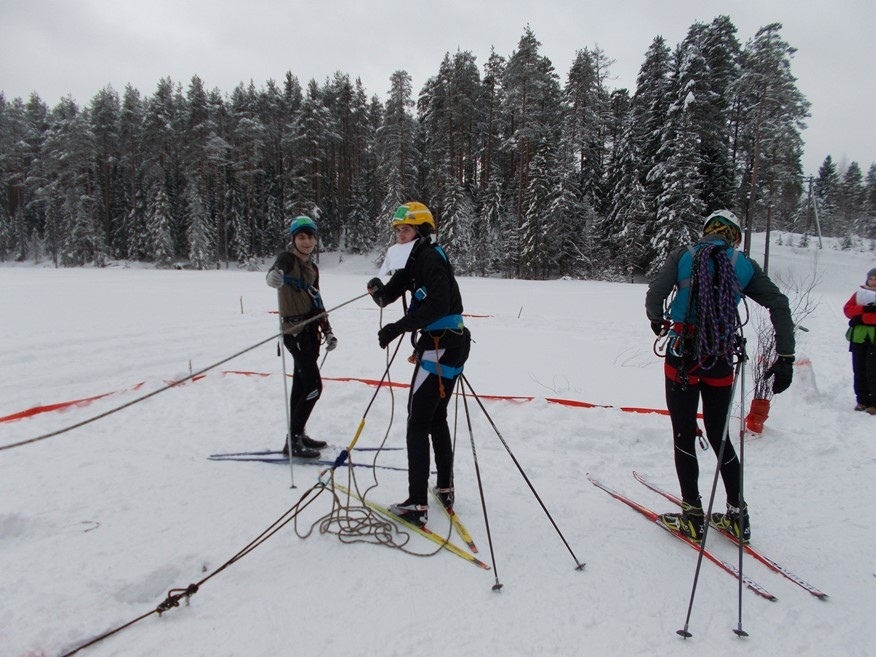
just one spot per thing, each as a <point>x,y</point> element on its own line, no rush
<point>174,596</point>
<point>175,383</point>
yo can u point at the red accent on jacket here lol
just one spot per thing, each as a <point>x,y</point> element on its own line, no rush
<point>853,309</point>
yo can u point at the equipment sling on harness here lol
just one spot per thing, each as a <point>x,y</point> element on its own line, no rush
<point>301,284</point>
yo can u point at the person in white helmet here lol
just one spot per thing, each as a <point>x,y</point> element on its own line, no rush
<point>709,279</point>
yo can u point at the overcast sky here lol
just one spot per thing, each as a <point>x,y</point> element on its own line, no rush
<point>77,47</point>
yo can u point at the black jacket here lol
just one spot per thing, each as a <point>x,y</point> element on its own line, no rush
<point>427,269</point>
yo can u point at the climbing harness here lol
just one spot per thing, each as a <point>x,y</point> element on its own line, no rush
<point>710,329</point>
<point>301,284</point>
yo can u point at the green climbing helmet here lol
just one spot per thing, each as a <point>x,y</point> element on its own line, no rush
<point>302,223</point>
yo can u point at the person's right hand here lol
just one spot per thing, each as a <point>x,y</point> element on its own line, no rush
<point>375,285</point>
<point>660,327</point>
<point>275,278</point>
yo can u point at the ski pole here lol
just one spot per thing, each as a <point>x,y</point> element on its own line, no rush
<point>579,565</point>
<point>739,631</point>
<point>684,632</point>
<point>497,586</point>
<point>286,400</point>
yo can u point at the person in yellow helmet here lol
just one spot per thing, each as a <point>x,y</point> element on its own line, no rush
<point>440,351</point>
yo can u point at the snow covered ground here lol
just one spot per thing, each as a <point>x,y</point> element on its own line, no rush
<point>98,523</point>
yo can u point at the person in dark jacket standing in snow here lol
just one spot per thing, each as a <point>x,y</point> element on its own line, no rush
<point>710,265</point>
<point>296,277</point>
<point>440,351</point>
<point>861,312</point>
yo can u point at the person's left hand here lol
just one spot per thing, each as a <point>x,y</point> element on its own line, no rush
<point>331,342</point>
<point>387,334</point>
<point>782,371</point>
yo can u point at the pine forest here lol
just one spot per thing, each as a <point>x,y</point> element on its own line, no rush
<point>529,174</point>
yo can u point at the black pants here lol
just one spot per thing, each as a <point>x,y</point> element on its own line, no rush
<point>306,380</point>
<point>427,411</point>
<point>864,372</point>
<point>682,401</point>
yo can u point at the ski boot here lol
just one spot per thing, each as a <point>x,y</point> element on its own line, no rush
<point>734,522</point>
<point>416,514</point>
<point>307,441</point>
<point>299,449</point>
<point>689,522</point>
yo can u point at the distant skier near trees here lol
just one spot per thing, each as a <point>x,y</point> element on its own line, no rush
<point>296,277</point>
<point>440,351</point>
<point>702,324</point>
<point>861,311</point>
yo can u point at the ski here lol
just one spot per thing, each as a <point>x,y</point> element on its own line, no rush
<point>279,458</point>
<point>769,563</point>
<point>422,531</point>
<point>277,452</point>
<point>456,522</point>
<point>653,516</point>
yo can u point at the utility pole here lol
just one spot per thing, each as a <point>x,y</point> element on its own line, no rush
<point>812,208</point>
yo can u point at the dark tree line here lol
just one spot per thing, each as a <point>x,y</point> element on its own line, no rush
<point>528,174</point>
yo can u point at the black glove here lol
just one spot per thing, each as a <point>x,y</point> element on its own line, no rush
<point>375,285</point>
<point>782,371</point>
<point>857,320</point>
<point>660,327</point>
<point>387,334</point>
<point>375,288</point>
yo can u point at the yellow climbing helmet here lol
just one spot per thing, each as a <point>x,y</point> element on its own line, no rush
<point>413,213</point>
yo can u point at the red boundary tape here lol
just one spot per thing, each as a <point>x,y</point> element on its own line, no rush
<point>36,410</point>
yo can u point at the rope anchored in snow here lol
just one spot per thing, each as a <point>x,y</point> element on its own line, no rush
<point>174,596</point>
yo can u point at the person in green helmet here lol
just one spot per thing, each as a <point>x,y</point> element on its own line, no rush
<point>296,277</point>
